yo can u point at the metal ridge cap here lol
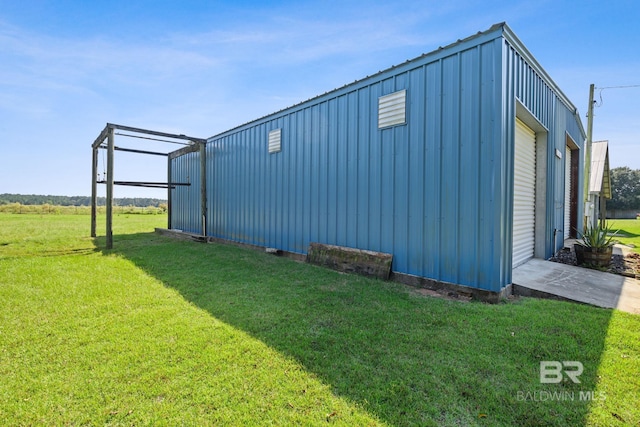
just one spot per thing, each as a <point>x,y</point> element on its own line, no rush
<point>495,28</point>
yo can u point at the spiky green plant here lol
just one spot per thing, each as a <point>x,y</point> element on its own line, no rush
<point>600,236</point>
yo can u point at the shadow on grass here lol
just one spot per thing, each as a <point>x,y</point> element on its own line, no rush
<point>625,234</point>
<point>625,228</point>
<point>409,359</point>
<point>56,252</point>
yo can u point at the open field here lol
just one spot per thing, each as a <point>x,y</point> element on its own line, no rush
<point>17,208</point>
<point>165,332</point>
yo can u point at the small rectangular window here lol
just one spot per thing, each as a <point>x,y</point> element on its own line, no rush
<point>275,138</point>
<point>392,109</point>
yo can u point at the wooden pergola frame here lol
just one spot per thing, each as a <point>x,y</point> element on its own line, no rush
<point>106,140</point>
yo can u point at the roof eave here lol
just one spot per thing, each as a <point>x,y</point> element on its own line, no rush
<point>511,37</point>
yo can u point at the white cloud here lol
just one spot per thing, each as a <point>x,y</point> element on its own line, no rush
<point>284,39</point>
<point>61,61</point>
<point>62,87</point>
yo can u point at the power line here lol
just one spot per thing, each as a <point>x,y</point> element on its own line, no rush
<point>617,87</point>
<point>599,104</point>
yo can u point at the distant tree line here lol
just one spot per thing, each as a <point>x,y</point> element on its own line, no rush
<point>35,199</point>
<point>625,189</point>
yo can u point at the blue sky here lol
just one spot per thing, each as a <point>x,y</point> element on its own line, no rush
<point>202,67</point>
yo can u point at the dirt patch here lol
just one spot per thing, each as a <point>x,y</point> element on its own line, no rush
<point>442,293</point>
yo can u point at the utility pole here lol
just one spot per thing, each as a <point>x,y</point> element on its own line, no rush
<point>587,166</point>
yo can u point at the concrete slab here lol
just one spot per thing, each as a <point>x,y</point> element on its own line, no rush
<point>620,249</point>
<point>548,279</point>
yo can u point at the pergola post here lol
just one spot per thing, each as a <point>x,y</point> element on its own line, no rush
<point>110,145</point>
<point>203,186</point>
<point>94,190</point>
<point>169,202</point>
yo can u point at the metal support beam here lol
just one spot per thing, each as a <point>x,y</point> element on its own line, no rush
<point>100,139</point>
<point>183,151</point>
<point>110,189</point>
<point>203,186</point>
<point>156,133</point>
<point>94,190</point>
<point>169,188</point>
<point>131,150</point>
<point>147,184</point>
<point>154,139</point>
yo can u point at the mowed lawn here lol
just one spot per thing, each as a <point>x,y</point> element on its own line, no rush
<point>165,332</point>
<point>627,231</point>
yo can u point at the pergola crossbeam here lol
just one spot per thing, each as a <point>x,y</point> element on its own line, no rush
<point>157,133</point>
<point>100,139</point>
<point>131,150</point>
<point>148,184</point>
<point>153,139</point>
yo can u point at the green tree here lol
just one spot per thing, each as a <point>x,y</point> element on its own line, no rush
<point>625,188</point>
<point>35,199</point>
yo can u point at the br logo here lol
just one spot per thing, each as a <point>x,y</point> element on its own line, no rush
<point>552,372</point>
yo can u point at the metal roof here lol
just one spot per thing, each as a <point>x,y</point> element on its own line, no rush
<point>600,181</point>
<point>497,30</point>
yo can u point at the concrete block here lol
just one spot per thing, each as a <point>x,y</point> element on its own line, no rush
<point>350,260</point>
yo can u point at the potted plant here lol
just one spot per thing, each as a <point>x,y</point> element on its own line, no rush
<point>595,246</point>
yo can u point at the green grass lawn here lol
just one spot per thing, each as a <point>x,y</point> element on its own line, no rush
<point>168,332</point>
<point>628,231</point>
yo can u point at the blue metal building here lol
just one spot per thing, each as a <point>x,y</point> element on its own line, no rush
<point>462,163</point>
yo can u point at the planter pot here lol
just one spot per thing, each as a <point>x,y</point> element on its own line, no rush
<point>599,257</point>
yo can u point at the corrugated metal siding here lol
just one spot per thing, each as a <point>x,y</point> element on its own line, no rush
<point>563,123</point>
<point>186,168</point>
<point>524,84</point>
<point>436,192</point>
<point>423,191</point>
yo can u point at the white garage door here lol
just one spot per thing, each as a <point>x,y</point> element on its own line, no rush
<point>524,190</point>
<point>567,193</point>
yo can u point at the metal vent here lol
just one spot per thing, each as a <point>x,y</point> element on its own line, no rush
<point>275,138</point>
<point>392,109</point>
